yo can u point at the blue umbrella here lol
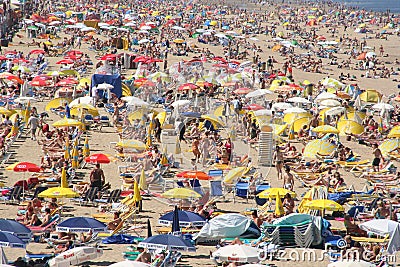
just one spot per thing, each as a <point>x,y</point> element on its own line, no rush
<point>10,240</point>
<point>175,221</point>
<point>191,114</point>
<point>186,218</point>
<point>67,111</point>
<point>81,225</point>
<point>15,228</point>
<point>167,242</point>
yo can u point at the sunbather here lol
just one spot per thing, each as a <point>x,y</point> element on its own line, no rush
<point>144,256</point>
<point>353,228</point>
<point>117,220</point>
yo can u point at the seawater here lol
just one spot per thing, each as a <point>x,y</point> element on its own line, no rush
<point>375,5</point>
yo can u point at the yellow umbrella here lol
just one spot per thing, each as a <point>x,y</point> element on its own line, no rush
<point>213,23</point>
<point>274,192</point>
<point>67,123</point>
<point>83,81</point>
<point>78,112</point>
<point>234,174</point>
<point>179,41</point>
<point>299,123</point>
<point>57,102</point>
<point>318,146</point>
<point>325,129</point>
<point>279,129</point>
<point>135,144</point>
<point>161,117</point>
<point>219,110</point>
<point>349,127</point>
<point>354,116</point>
<point>64,182</point>
<point>181,193</point>
<point>394,132</point>
<point>389,145</point>
<point>371,95</point>
<point>291,117</point>
<point>136,192</point>
<point>86,149</point>
<point>324,204</point>
<point>138,114</point>
<point>213,119</point>
<point>69,73</point>
<point>142,180</point>
<point>306,82</point>
<point>279,211</point>
<point>6,112</point>
<point>262,119</point>
<point>58,192</point>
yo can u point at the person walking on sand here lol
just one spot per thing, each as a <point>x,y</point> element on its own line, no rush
<point>97,178</point>
<point>33,124</point>
<point>377,157</point>
<point>278,159</point>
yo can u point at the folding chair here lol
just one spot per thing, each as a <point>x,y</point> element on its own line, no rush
<point>216,189</point>
<point>259,189</point>
<point>241,190</point>
<point>196,186</point>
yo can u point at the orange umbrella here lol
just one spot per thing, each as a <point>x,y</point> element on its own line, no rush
<point>362,56</point>
<point>11,77</point>
<point>194,175</point>
<point>187,86</point>
<point>242,91</point>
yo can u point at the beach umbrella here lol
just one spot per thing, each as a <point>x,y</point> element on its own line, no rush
<point>351,263</point>
<point>10,240</point>
<point>58,192</point>
<point>178,149</point>
<point>279,211</point>
<point>234,174</point>
<point>389,145</point>
<point>299,100</point>
<point>24,167</point>
<point>64,181</point>
<point>294,110</point>
<point>5,111</point>
<point>134,101</point>
<point>290,118</point>
<point>130,264</point>
<point>75,256</point>
<point>330,82</point>
<point>318,147</point>
<point>81,225</point>
<point>180,193</point>
<point>258,93</point>
<point>382,227</point>
<point>167,242</point>
<point>104,86</point>
<point>394,132</point>
<point>382,106</point>
<point>324,204</point>
<point>67,123</point>
<point>349,127</point>
<point>242,91</point>
<point>330,103</point>
<point>371,96</point>
<point>214,119</point>
<point>325,129</point>
<point>194,175</point>
<point>181,103</point>
<point>237,253</point>
<point>273,192</point>
<point>334,111</point>
<point>98,158</point>
<point>86,149</point>
<point>324,96</point>
<point>136,192</point>
<point>15,228</point>
<point>281,106</point>
<point>299,123</point>
<point>67,82</point>
<point>57,103</point>
<point>134,144</point>
<point>186,218</point>
<point>187,86</point>
<point>81,100</point>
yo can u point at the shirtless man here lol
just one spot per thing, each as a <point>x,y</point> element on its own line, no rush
<point>377,157</point>
<point>144,256</point>
<point>288,180</point>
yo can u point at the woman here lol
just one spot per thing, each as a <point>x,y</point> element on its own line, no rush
<point>288,204</point>
<point>278,158</point>
<point>229,148</point>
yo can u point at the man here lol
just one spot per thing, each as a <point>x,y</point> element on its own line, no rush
<point>377,157</point>
<point>288,180</point>
<point>33,123</point>
<point>97,178</point>
<point>144,256</point>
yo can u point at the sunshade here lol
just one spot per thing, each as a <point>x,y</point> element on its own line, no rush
<point>186,218</point>
<point>81,225</point>
<point>213,119</point>
<point>394,132</point>
<point>258,93</point>
<point>180,103</point>
<point>134,101</point>
<point>325,129</point>
<point>324,96</point>
<point>291,117</point>
<point>194,175</point>
<point>15,228</point>
<point>334,111</point>
<point>58,192</point>
<point>349,127</point>
<point>371,96</point>
<point>81,100</point>
<point>330,103</point>
<point>299,123</point>
<point>23,167</point>
<point>180,193</point>
<point>382,106</point>
<point>330,82</point>
<point>389,145</point>
<point>294,110</point>
<point>167,242</point>
<point>316,147</point>
<point>380,227</point>
<point>57,103</point>
<point>324,204</point>
<point>220,110</point>
<point>10,240</point>
<point>237,253</point>
<point>279,129</point>
<point>299,100</point>
<point>135,144</point>
<point>234,174</point>
<point>6,112</point>
<point>281,106</point>
<point>98,158</point>
<point>275,191</point>
<point>67,123</point>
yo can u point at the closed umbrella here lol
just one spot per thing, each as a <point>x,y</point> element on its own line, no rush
<point>279,211</point>
<point>64,181</point>
<point>167,242</point>
<point>86,149</point>
<point>81,225</point>
<point>142,181</point>
<point>175,221</point>
<point>149,233</point>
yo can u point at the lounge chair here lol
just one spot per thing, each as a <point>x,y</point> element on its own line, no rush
<point>48,228</point>
<point>89,196</point>
<point>13,196</point>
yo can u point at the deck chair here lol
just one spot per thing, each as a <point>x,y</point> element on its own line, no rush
<point>196,186</point>
<point>216,189</point>
<point>89,196</point>
<point>105,120</point>
<point>110,198</point>
<point>38,190</point>
<point>89,118</point>
<point>242,190</point>
<point>14,195</point>
<point>48,228</point>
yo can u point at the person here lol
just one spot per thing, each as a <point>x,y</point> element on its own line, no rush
<point>288,180</point>
<point>114,223</point>
<point>157,129</point>
<point>144,256</point>
<point>353,228</point>
<point>195,149</point>
<point>288,204</point>
<point>97,178</point>
<point>33,123</point>
<point>278,158</point>
<point>68,246</point>
<point>382,212</point>
<point>257,220</point>
<point>377,157</point>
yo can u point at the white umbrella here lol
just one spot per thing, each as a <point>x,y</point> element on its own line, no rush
<point>295,110</point>
<point>25,99</point>
<point>130,24</point>
<point>123,29</point>
<point>263,112</point>
<point>143,31</point>
<point>335,111</point>
<point>81,100</point>
<point>381,106</point>
<point>237,253</point>
<point>258,92</point>
<point>130,264</point>
<point>143,41</point>
<point>351,263</point>
<point>75,256</point>
<point>330,103</point>
<point>370,54</point>
<point>134,101</point>
<point>180,103</point>
<point>104,86</point>
<point>220,35</point>
<point>54,23</point>
<point>145,27</point>
<point>380,227</point>
<point>281,106</point>
<point>87,29</point>
<point>299,100</point>
<point>178,28</point>
<point>200,30</point>
<point>330,82</point>
<point>325,95</point>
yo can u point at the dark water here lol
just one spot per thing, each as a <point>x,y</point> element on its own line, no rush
<point>375,5</point>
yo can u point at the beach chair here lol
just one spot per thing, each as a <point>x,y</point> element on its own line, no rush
<point>89,196</point>
<point>196,186</point>
<point>48,228</point>
<point>216,189</point>
<point>89,119</point>
<point>242,190</point>
<point>105,120</point>
<point>13,196</point>
<point>110,198</point>
<point>259,189</point>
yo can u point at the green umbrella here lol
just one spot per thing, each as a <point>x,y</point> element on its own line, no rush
<point>33,28</point>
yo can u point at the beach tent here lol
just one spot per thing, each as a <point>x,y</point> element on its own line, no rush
<point>114,80</point>
<point>227,225</point>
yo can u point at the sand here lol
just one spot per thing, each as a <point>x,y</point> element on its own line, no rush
<point>27,150</point>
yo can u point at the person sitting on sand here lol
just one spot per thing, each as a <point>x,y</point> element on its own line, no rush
<point>144,256</point>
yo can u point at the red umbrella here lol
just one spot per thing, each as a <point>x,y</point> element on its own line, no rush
<point>37,51</point>
<point>194,175</point>
<point>25,167</point>
<point>65,61</point>
<point>76,53</point>
<point>272,76</point>
<point>98,158</point>
<point>109,57</point>
<point>242,91</point>
<point>40,83</point>
<point>254,107</point>
<point>42,78</point>
<point>223,60</point>
<point>20,60</point>
<point>187,86</point>
<point>12,78</point>
<point>72,57</point>
<point>140,82</point>
<point>152,60</point>
<point>220,65</point>
<point>67,82</point>
<point>141,59</point>
<point>3,58</point>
